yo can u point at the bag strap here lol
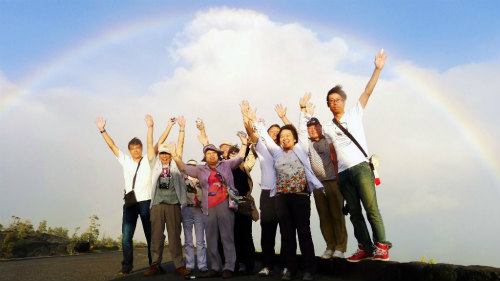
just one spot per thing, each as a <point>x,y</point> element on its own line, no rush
<point>336,122</point>
<point>135,175</point>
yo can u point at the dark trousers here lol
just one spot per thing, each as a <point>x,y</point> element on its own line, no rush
<point>243,242</point>
<point>129,222</point>
<point>294,213</point>
<point>269,225</point>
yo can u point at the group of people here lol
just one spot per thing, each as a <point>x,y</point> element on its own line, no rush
<point>329,162</point>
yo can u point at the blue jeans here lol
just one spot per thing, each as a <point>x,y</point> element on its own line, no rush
<point>193,216</point>
<point>129,221</point>
<point>356,185</point>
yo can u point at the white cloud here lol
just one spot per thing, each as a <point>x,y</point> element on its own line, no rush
<point>224,56</point>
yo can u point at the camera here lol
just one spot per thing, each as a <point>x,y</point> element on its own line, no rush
<point>163,185</point>
<point>173,119</point>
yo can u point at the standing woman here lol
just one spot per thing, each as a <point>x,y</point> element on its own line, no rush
<point>243,240</point>
<point>295,181</point>
<point>216,180</point>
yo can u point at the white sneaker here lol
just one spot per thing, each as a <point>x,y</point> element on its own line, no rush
<point>265,272</point>
<point>338,254</point>
<point>327,254</point>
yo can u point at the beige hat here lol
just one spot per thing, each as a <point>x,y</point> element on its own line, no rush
<point>226,143</point>
<point>163,148</point>
<point>192,162</point>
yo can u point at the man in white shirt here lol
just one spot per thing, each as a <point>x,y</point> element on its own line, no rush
<point>137,176</point>
<point>355,177</point>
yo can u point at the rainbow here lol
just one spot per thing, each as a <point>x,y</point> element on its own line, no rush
<point>415,78</point>
<point>28,85</point>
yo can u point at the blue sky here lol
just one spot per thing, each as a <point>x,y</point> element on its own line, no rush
<point>436,34</point>
<point>433,118</point>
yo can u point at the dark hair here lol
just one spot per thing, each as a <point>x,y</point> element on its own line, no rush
<point>336,90</point>
<point>134,141</point>
<point>272,126</point>
<point>290,128</point>
<point>233,149</point>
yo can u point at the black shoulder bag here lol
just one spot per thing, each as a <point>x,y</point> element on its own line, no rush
<point>129,198</point>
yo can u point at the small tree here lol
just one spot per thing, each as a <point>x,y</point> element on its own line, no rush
<point>21,228</point>
<point>92,233</point>
<point>42,227</point>
<point>59,231</point>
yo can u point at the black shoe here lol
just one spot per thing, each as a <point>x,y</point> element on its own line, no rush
<point>227,274</point>
<point>210,274</point>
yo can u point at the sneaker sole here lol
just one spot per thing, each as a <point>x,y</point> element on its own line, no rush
<point>380,259</point>
<point>370,258</point>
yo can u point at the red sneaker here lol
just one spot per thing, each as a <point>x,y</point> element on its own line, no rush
<point>360,255</point>
<point>381,252</point>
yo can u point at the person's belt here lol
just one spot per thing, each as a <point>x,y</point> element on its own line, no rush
<point>191,205</point>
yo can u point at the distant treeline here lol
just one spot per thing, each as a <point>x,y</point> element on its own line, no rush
<point>20,229</point>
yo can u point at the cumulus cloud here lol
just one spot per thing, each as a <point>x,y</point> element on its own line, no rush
<point>429,171</point>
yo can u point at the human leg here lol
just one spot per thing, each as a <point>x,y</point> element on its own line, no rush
<point>301,211</point>
<point>269,226</point>
<point>335,204</point>
<point>129,222</point>
<point>157,236</point>
<point>173,221</point>
<point>199,230</point>
<point>144,212</point>
<point>187,224</point>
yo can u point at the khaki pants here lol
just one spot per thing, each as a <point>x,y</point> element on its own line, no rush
<point>331,218</point>
<point>170,215</point>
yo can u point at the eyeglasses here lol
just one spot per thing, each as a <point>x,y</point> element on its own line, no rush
<point>336,101</point>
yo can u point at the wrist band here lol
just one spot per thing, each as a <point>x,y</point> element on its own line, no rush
<point>302,107</point>
<point>103,131</point>
<point>181,131</point>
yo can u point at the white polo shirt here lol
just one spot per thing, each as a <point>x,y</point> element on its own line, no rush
<point>142,186</point>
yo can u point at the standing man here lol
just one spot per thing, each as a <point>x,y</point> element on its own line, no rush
<point>169,193</point>
<point>137,176</point>
<point>323,162</point>
<point>354,174</point>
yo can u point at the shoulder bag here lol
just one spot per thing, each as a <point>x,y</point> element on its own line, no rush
<point>129,198</point>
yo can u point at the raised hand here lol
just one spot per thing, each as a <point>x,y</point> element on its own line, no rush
<point>101,123</point>
<point>380,59</point>
<point>181,121</point>
<point>172,121</point>
<point>199,124</point>
<point>149,120</point>
<point>172,147</point>
<point>304,100</point>
<point>310,108</point>
<point>280,110</point>
<point>245,106</point>
<point>252,114</point>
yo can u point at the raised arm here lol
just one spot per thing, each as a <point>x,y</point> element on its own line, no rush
<point>281,111</point>
<point>180,141</point>
<point>150,147</point>
<point>202,137</point>
<point>379,64</point>
<point>101,124</point>
<point>252,135</point>
<point>164,136</point>
<point>244,144</point>
<point>306,108</point>
<point>176,156</point>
